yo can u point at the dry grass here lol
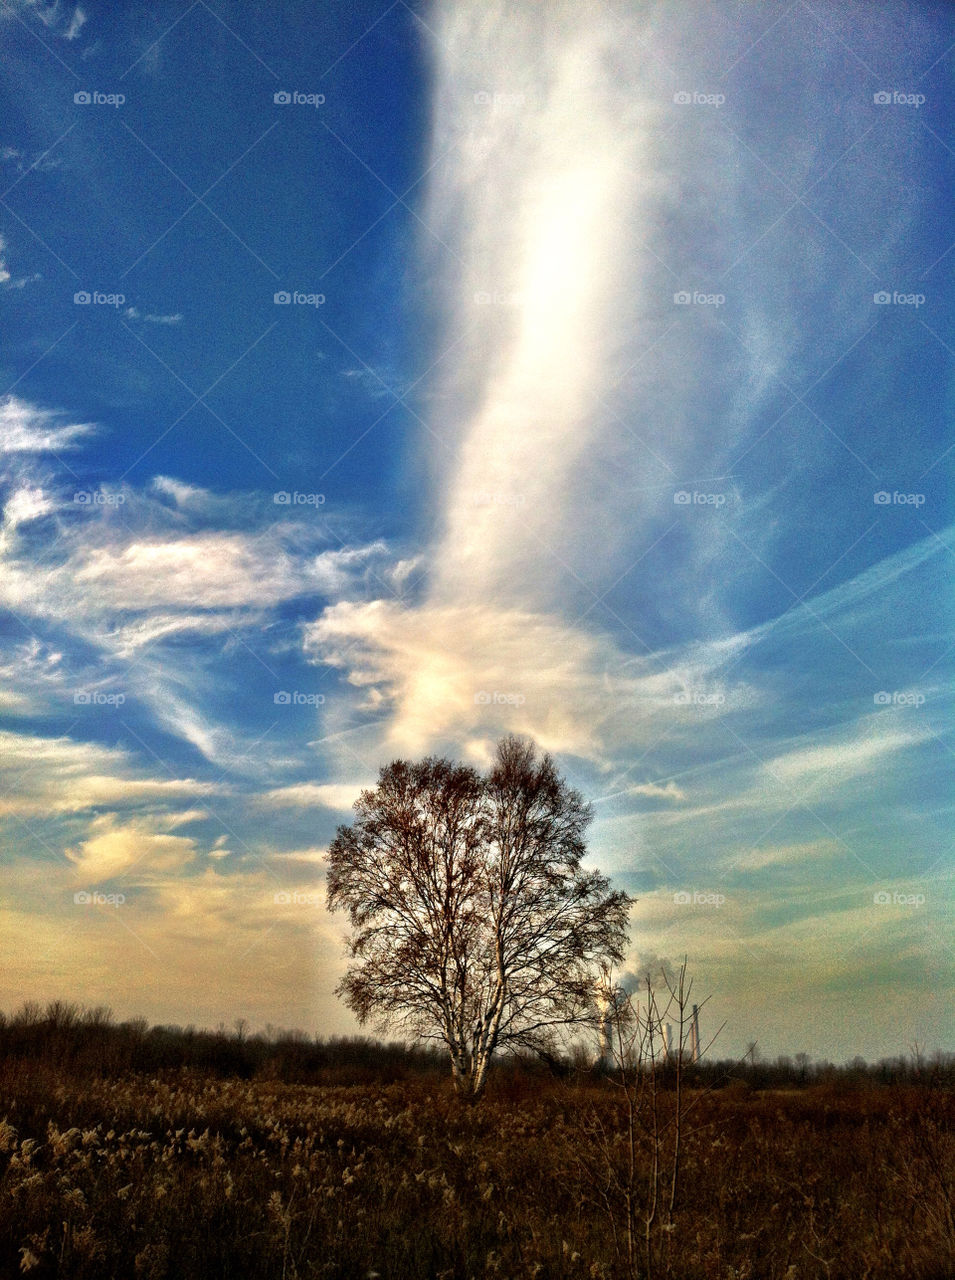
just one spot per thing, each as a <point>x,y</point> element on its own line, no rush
<point>179,1175</point>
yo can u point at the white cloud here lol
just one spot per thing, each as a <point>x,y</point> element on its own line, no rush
<point>195,502</point>
<point>654,791</point>
<point>859,601</point>
<point>76,23</point>
<point>26,504</point>
<point>143,631</point>
<point>302,857</point>
<point>58,18</point>
<point>334,572</point>
<point>184,495</point>
<point>141,845</point>
<point>150,317</point>
<point>6,280</point>
<point>40,776</point>
<point>542,197</point>
<point>437,670</point>
<point>308,795</point>
<point>375,386</point>
<point>469,672</point>
<point>210,571</point>
<point>860,753</point>
<point>557,482</point>
<point>402,573</point>
<point>130,574</point>
<point>803,855</point>
<point>31,676</point>
<point>534,202</point>
<point>24,428</point>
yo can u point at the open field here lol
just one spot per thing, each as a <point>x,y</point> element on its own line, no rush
<point>181,1174</point>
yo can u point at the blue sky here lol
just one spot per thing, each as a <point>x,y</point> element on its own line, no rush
<point>610,404</point>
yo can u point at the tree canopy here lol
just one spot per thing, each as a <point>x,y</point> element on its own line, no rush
<point>473,921</point>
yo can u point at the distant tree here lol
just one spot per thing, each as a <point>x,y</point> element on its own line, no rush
<point>473,922</point>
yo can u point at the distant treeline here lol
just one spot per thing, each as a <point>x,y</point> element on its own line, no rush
<point>74,1038</point>
<point>79,1039</point>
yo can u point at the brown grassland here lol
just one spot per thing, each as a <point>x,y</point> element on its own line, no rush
<point>180,1172</point>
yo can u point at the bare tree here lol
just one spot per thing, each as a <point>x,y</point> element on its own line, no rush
<point>473,920</point>
<point>634,1169</point>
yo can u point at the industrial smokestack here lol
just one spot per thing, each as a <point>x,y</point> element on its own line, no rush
<point>605,1005</point>
<point>668,1040</point>
<point>604,1058</point>
<point>695,1035</point>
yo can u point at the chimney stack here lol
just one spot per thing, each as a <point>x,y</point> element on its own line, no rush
<point>695,1035</point>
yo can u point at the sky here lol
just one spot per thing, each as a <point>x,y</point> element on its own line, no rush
<point>378,379</point>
